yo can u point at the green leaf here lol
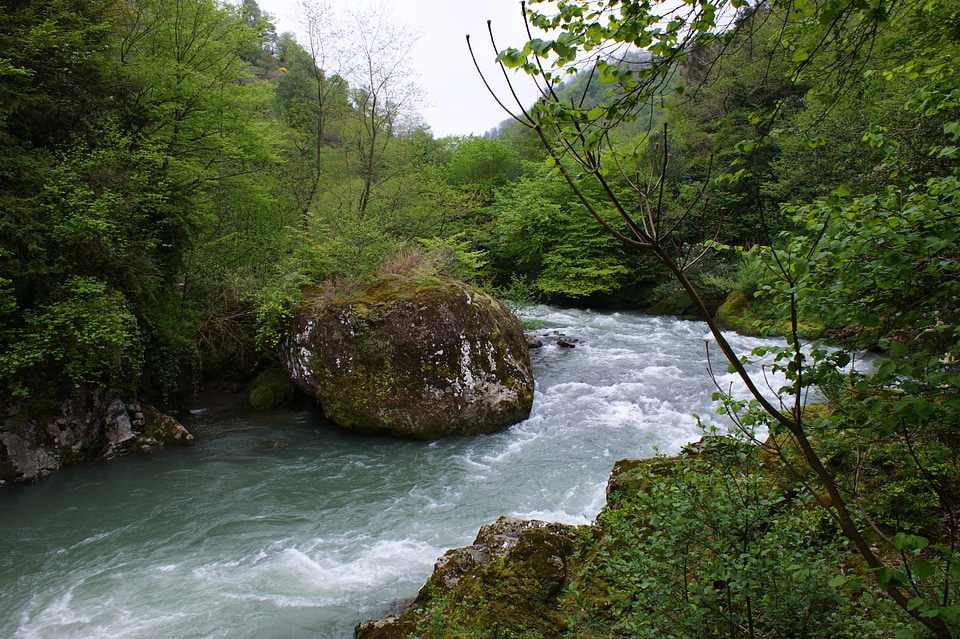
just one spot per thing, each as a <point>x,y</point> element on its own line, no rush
<point>950,613</point>
<point>922,568</point>
<point>839,581</point>
<point>915,603</point>
<point>906,541</point>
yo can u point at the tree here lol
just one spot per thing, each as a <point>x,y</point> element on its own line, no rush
<point>828,41</point>
<point>481,165</point>
<point>313,99</point>
<point>361,106</point>
<point>133,130</point>
<point>539,235</point>
<point>60,251</point>
<point>382,97</point>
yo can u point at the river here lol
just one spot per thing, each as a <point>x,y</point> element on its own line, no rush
<point>279,525</point>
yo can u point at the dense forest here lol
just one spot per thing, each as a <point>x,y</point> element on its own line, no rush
<point>175,174</point>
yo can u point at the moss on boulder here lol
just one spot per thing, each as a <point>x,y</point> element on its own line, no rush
<point>160,428</point>
<point>735,313</point>
<point>505,584</point>
<point>412,358</point>
<point>749,315</point>
<point>270,389</point>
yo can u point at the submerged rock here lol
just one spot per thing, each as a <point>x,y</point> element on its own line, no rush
<point>412,359</point>
<point>558,339</point>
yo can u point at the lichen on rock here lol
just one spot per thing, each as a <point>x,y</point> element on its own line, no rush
<point>414,359</point>
<point>161,428</point>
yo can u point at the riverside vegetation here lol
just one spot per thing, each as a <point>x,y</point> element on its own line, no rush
<point>175,175</point>
<point>719,541</point>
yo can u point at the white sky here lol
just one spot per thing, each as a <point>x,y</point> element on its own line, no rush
<point>456,102</point>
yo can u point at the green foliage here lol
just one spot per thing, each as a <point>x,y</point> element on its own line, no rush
<point>482,164</point>
<point>86,331</point>
<point>884,266</point>
<point>270,389</point>
<point>128,150</point>
<point>714,545</point>
<point>454,257</point>
<point>717,542</point>
<point>52,78</point>
<point>743,271</point>
<point>552,241</point>
<point>716,274</point>
<point>875,260</point>
<point>518,294</point>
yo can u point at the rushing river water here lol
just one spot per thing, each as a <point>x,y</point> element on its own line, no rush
<point>279,525</point>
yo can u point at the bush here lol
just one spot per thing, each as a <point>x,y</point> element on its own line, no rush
<point>86,333</point>
<point>714,543</point>
<point>271,389</point>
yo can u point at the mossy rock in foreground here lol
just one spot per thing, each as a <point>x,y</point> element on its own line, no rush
<point>657,561</point>
<point>505,584</point>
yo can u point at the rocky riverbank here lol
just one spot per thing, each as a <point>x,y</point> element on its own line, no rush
<point>715,542</point>
<point>91,425</point>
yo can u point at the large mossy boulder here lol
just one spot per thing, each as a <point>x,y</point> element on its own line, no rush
<point>412,358</point>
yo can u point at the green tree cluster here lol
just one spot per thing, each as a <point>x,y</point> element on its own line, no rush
<point>128,132</point>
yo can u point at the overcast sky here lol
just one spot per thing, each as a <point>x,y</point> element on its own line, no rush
<point>456,102</point>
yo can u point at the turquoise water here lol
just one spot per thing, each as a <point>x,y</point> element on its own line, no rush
<point>280,525</point>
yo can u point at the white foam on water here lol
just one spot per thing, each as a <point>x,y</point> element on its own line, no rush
<point>469,462</point>
<point>86,611</point>
<point>516,447</point>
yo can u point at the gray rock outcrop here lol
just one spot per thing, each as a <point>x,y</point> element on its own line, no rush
<point>90,425</point>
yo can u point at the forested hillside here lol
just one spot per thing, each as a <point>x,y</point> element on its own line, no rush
<point>174,175</point>
<point>173,171</point>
